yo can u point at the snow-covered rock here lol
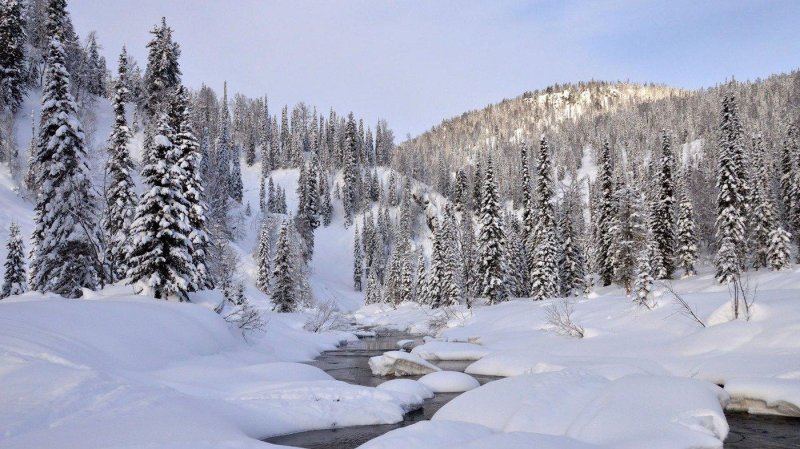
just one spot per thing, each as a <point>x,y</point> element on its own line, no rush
<point>407,386</point>
<point>449,382</point>
<point>443,350</point>
<point>406,345</point>
<point>765,396</point>
<point>400,363</point>
<point>574,409</point>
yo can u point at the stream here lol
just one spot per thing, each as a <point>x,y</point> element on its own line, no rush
<point>349,363</point>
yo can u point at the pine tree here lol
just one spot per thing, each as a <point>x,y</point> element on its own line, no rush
<point>160,262</point>
<point>263,256</point>
<point>764,218</point>
<point>191,183</point>
<point>235,183</point>
<point>789,187</point>
<point>730,223</point>
<point>65,253</point>
<point>518,279</point>
<point>605,216</point>
<point>12,55</point>
<point>420,282</point>
<point>627,234</point>
<point>643,286</point>
<point>686,247</point>
<point>358,269</point>
<point>262,195</point>
<point>491,241</point>
<point>443,287</point>
<point>528,214</point>
<point>326,205</point>
<point>663,217</point>
<point>284,294</point>
<point>373,295</point>
<point>163,74</point>
<point>778,254</point>
<point>571,263</point>
<point>14,276</point>
<point>94,74</point>
<point>120,195</point>
<point>544,275</point>
<point>349,192</point>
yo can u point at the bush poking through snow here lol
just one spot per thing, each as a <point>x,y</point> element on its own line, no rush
<point>685,309</point>
<point>246,317</point>
<point>559,315</point>
<point>327,317</point>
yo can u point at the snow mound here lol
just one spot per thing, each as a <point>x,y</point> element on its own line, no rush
<point>407,386</point>
<point>765,396</point>
<point>449,382</point>
<point>574,409</point>
<point>399,363</point>
<point>406,345</point>
<point>443,350</point>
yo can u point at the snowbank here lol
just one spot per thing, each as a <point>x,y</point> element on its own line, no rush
<point>442,350</point>
<point>407,386</point>
<point>449,382</point>
<point>572,409</point>
<point>78,373</point>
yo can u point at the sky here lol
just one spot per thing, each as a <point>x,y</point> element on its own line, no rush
<point>415,63</point>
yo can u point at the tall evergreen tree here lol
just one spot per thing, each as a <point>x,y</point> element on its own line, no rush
<point>730,228</point>
<point>263,256</point>
<point>686,248</point>
<point>605,216</point>
<point>160,262</point>
<point>663,217</point>
<point>284,294</point>
<point>544,275</point>
<point>778,252</point>
<point>65,251</point>
<point>12,55</point>
<point>643,286</point>
<point>120,194</point>
<point>491,241</point>
<point>349,191</point>
<point>163,73</point>
<point>191,183</point>
<point>571,264</point>
<point>358,269</point>
<point>14,275</point>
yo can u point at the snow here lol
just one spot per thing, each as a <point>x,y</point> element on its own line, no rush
<point>442,350</point>
<point>407,386</point>
<point>449,382</point>
<point>79,372</point>
<point>576,409</point>
<point>400,363</point>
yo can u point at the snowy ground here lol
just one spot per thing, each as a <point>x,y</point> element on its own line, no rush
<point>638,378</point>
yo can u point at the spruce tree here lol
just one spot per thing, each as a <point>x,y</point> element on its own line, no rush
<point>160,262</point>
<point>191,183</point>
<point>686,248</point>
<point>120,194</point>
<point>235,182</point>
<point>358,269</point>
<point>491,242</point>
<point>778,256</point>
<point>263,256</point>
<point>605,216</point>
<point>663,217</point>
<point>284,293</point>
<point>349,191</point>
<point>730,201</point>
<point>764,218</point>
<point>65,251</point>
<point>643,286</point>
<point>12,55</point>
<point>14,275</point>
<point>544,274</point>
<point>788,167</point>
<point>163,73</point>
<point>420,281</point>
<point>571,264</point>
<point>627,235</point>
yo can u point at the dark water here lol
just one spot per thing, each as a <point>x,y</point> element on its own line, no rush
<point>350,364</point>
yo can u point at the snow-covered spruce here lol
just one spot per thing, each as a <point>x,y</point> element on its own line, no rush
<point>491,242</point>
<point>65,256</point>
<point>14,282</point>
<point>121,196</point>
<point>160,262</point>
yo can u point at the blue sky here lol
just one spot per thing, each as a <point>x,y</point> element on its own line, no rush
<point>415,63</point>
